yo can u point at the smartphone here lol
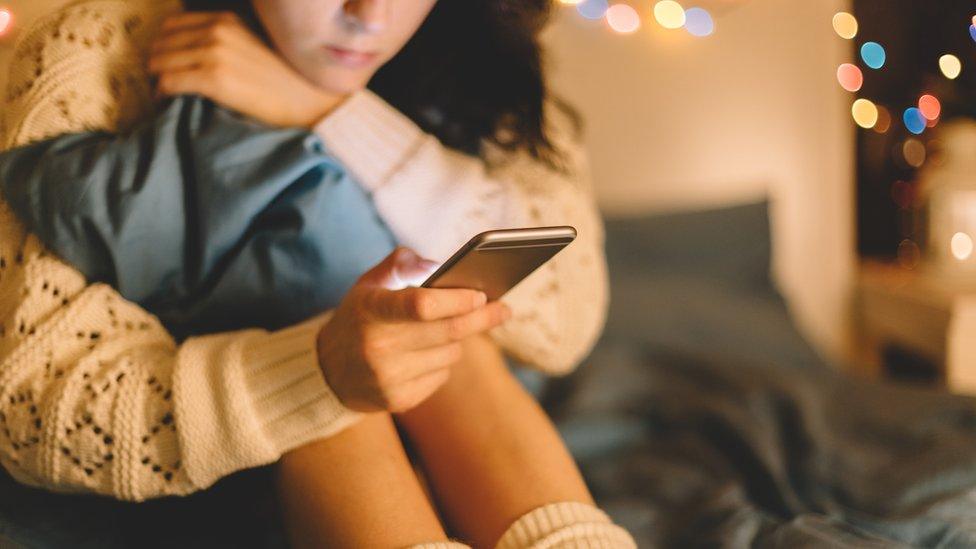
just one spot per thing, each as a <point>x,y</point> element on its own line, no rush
<point>495,261</point>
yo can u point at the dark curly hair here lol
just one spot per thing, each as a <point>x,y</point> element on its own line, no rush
<point>472,72</point>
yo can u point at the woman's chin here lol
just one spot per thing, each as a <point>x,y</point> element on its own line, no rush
<point>343,82</point>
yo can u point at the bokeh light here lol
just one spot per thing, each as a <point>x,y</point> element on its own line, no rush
<point>914,120</point>
<point>850,77</point>
<point>699,22</point>
<point>6,20</point>
<point>961,246</point>
<point>930,106</point>
<point>873,54</point>
<point>592,9</point>
<point>950,65</point>
<point>865,113</point>
<point>972,32</point>
<point>845,25</point>
<point>570,2</point>
<point>623,18</point>
<point>669,14</point>
<point>914,152</point>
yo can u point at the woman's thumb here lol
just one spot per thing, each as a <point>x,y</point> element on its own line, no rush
<point>402,268</point>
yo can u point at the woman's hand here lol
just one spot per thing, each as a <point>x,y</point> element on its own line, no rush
<point>386,349</point>
<point>214,54</point>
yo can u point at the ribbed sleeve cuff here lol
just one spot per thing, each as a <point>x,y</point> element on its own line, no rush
<point>289,394</point>
<point>370,137</point>
<point>245,398</point>
<point>565,524</point>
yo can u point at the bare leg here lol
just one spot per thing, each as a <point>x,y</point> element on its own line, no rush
<point>355,489</point>
<point>491,454</point>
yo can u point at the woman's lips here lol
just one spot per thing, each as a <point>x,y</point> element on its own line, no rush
<point>351,58</point>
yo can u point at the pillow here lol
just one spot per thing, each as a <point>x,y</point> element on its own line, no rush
<point>730,245</point>
<point>699,282</point>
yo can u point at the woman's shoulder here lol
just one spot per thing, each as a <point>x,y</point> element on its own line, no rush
<point>81,67</point>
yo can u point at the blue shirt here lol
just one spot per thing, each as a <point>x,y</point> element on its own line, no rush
<point>206,218</point>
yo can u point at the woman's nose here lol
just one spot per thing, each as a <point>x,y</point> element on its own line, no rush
<point>367,15</point>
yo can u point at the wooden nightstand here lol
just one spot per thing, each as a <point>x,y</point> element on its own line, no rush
<point>917,314</point>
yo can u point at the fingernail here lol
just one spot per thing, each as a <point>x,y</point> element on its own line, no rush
<point>480,299</point>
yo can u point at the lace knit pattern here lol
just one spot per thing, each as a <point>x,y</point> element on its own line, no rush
<point>102,42</point>
<point>82,413</point>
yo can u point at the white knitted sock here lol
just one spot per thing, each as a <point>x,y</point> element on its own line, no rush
<point>565,525</point>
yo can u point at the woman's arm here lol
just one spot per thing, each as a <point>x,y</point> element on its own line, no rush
<point>96,397</point>
<point>434,199</point>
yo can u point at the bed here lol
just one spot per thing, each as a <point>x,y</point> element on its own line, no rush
<point>703,418</point>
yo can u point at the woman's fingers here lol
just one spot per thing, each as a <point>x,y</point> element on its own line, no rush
<point>420,388</point>
<point>424,304</point>
<point>180,60</point>
<point>419,375</point>
<point>423,335</point>
<point>197,20</point>
<point>198,80</point>
<point>179,41</point>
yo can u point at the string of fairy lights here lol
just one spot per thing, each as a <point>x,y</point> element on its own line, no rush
<point>916,118</point>
<point>625,19</point>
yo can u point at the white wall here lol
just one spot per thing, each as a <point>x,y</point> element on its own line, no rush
<point>676,121</point>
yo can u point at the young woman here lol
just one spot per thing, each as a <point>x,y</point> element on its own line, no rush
<point>244,398</point>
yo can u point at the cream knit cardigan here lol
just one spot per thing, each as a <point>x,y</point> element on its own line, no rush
<point>95,396</point>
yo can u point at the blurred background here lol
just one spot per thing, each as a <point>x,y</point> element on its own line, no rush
<point>854,121</point>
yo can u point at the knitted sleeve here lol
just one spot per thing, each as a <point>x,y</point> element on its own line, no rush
<point>95,396</point>
<point>434,199</point>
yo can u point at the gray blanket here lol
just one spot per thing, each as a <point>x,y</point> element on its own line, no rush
<point>694,451</point>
